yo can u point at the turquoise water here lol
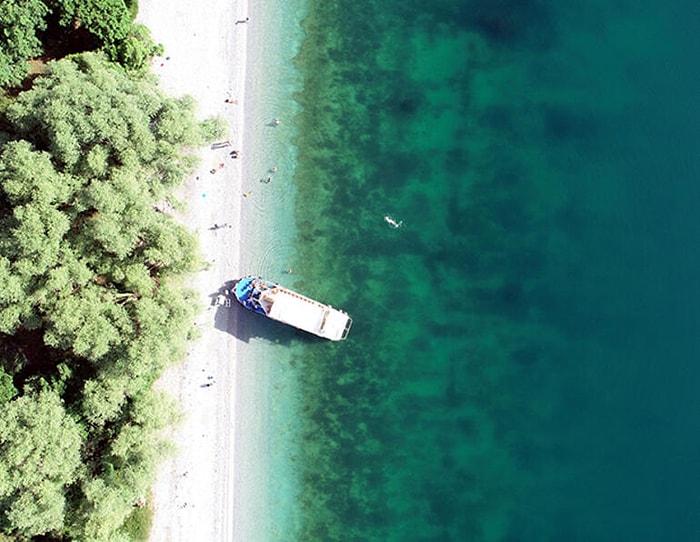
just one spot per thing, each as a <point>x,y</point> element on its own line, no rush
<point>523,363</point>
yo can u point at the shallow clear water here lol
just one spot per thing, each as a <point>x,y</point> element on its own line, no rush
<point>523,363</point>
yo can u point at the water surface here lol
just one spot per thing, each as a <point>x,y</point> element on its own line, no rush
<point>523,362</point>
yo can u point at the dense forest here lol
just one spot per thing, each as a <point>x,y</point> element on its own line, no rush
<point>45,29</point>
<point>92,303</point>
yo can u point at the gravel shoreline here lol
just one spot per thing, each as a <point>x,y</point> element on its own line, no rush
<point>205,57</point>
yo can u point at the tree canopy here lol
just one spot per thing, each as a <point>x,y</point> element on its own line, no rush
<point>20,23</point>
<point>28,28</point>
<point>36,431</point>
<point>92,306</point>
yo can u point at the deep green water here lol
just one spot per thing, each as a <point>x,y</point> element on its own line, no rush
<point>524,360</point>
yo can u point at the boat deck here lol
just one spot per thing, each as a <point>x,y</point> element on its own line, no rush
<point>306,314</point>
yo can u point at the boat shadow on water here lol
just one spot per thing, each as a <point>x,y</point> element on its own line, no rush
<point>232,318</point>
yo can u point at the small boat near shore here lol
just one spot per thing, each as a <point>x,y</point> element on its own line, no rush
<point>283,305</point>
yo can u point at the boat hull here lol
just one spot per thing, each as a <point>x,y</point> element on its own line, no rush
<point>283,305</point>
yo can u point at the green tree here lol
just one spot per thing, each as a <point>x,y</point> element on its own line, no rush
<point>19,22</point>
<point>108,20</point>
<point>98,150</point>
<point>112,23</point>
<point>92,306</point>
<point>135,49</point>
<point>24,24</point>
<point>129,465</point>
<point>7,387</point>
<point>39,458</point>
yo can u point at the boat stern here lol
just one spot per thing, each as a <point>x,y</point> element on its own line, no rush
<point>335,325</point>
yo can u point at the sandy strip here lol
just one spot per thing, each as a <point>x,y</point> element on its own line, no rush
<point>205,57</point>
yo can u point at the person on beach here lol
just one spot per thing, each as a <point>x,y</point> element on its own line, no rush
<point>241,21</point>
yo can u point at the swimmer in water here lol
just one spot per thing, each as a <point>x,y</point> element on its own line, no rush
<point>393,222</point>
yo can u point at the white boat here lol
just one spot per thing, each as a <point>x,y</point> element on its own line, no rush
<point>284,305</point>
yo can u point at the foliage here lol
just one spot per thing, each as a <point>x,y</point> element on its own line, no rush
<point>19,22</point>
<point>91,309</point>
<point>133,7</point>
<point>137,525</point>
<point>108,20</point>
<point>214,128</point>
<point>25,32</point>
<point>39,458</point>
<point>135,49</point>
<point>129,464</point>
<point>7,387</point>
<point>112,23</point>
